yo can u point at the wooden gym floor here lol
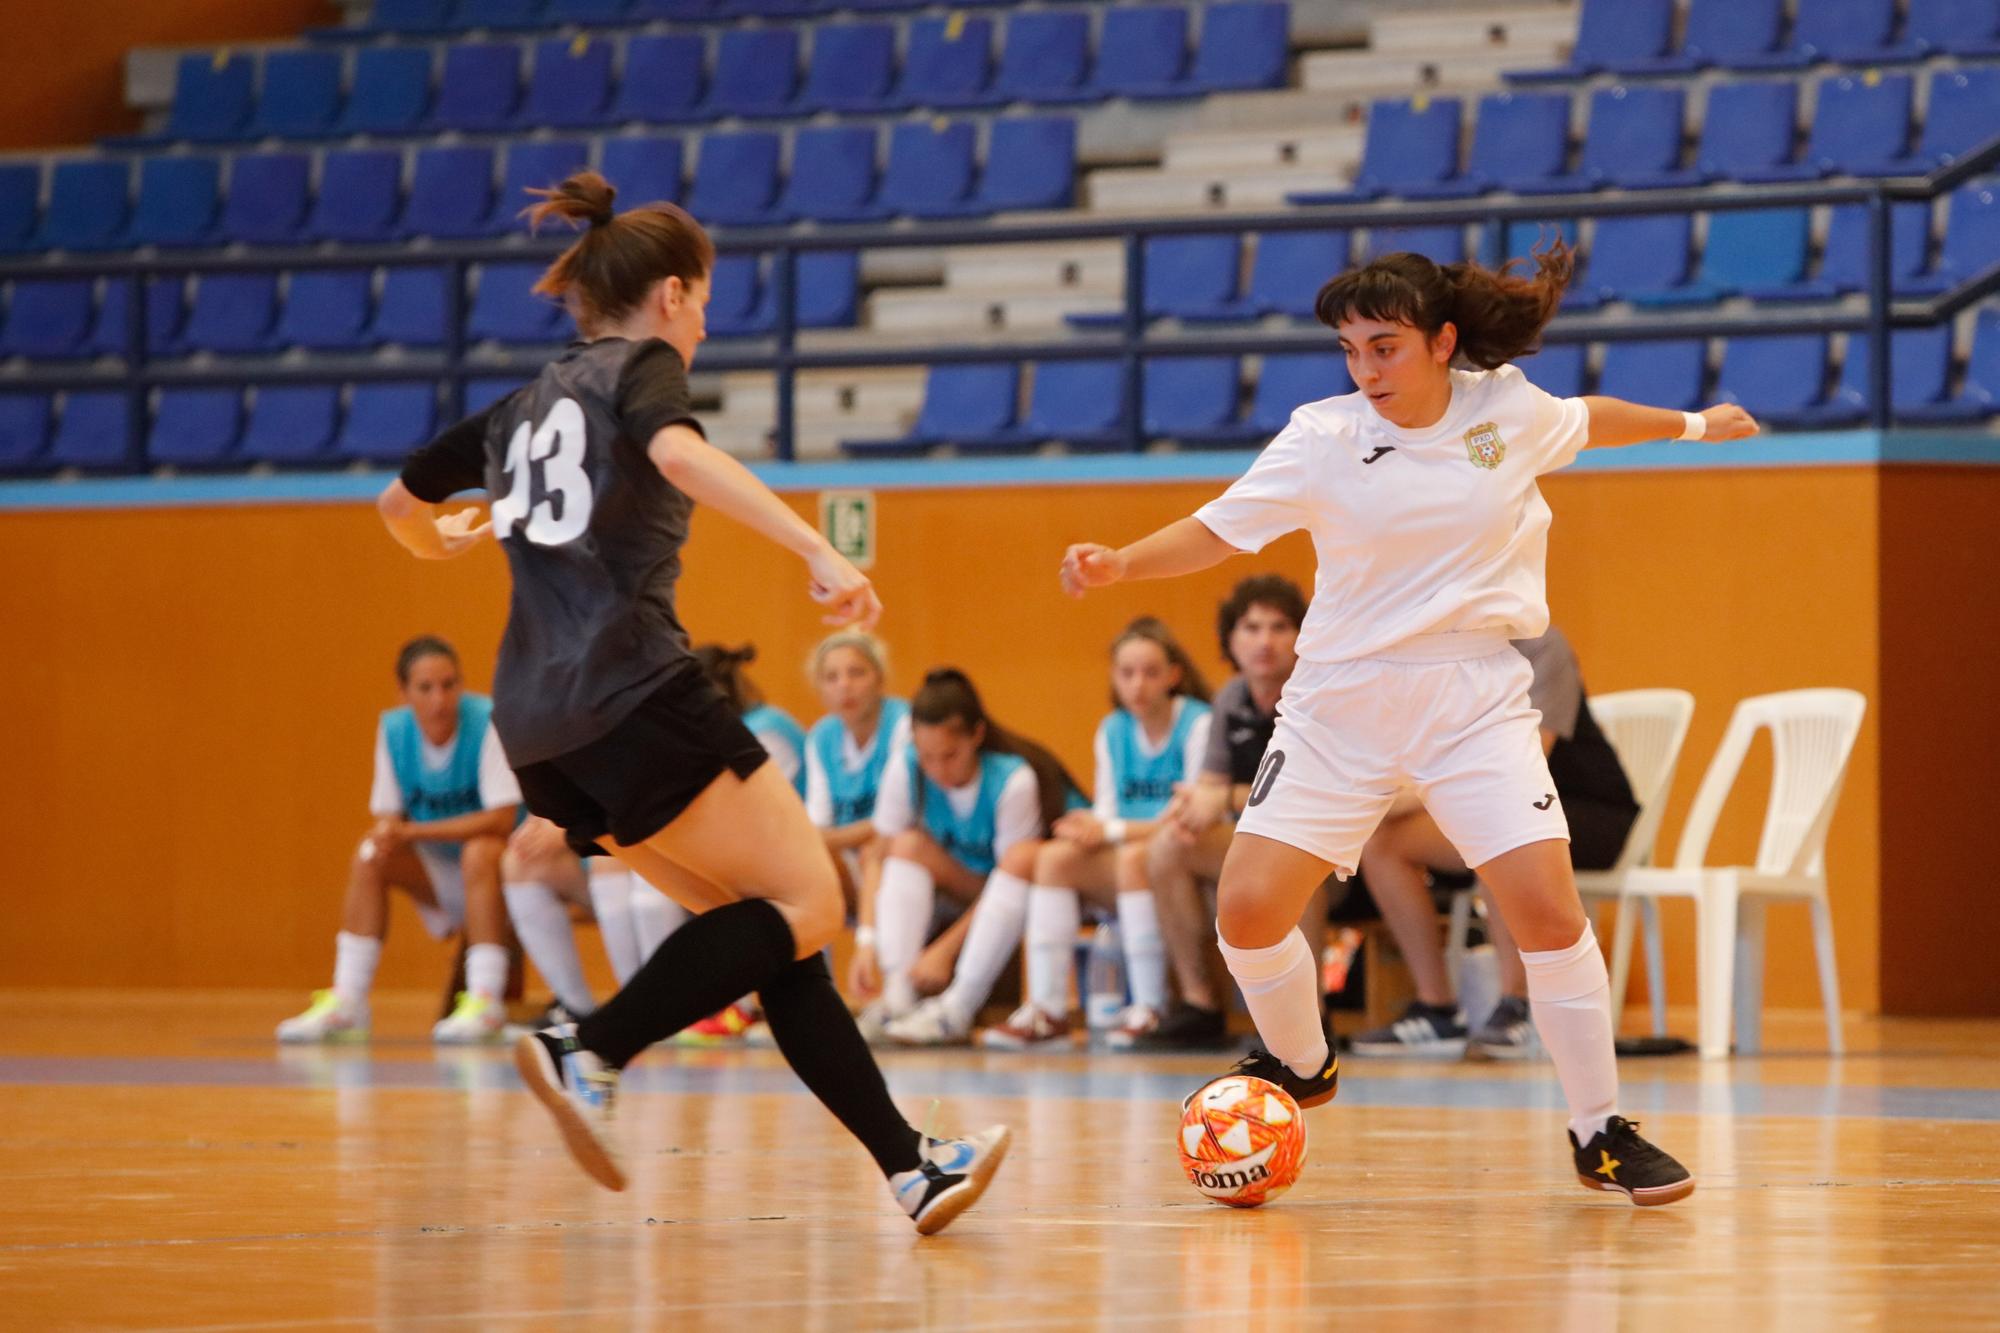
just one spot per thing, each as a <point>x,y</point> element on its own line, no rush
<point>164,1165</point>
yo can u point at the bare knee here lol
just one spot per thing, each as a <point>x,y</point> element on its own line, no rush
<point>1057,862</point>
<point>1131,868</point>
<point>1165,855</point>
<point>1020,859</point>
<point>479,858</point>
<point>909,844</point>
<point>1249,917</point>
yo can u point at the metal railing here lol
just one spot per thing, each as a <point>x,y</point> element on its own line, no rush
<point>138,375</point>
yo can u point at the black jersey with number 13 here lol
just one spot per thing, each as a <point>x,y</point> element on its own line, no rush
<point>593,536</point>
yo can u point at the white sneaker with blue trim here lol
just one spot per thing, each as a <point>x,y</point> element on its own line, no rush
<point>579,1091</point>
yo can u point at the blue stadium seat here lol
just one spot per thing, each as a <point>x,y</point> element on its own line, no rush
<point>1289,381</point>
<point>89,206</point>
<point>973,399</point>
<point>410,311</point>
<point>833,175</point>
<point>1964,112</point>
<point>451,193</point>
<point>1955,27</point>
<point>1720,32</point>
<point>1746,248</point>
<point>386,421</point>
<point>1044,58</point>
<point>929,174</point>
<point>1748,131</point>
<point>1861,125</point>
<point>853,68</point>
<point>1244,44</point>
<point>1611,34</point>
<point>1848,31</point>
<point>949,62</point>
<point>291,423</point>
<point>1844,261</point>
<point>166,308</point>
<point>1193,275</point>
<point>646,170</point>
<point>212,97</point>
<point>1971,239</point>
<point>1558,368</point>
<point>1645,252</point>
<point>570,86</point>
<point>1661,374</point>
<point>1919,377</point>
<point>585,13</point>
<point>737,304</point>
<point>756,73</point>
<point>326,309</point>
<point>535,164</point>
<point>179,198</point>
<point>1521,138</point>
<point>1081,403</point>
<point>644,11</point>
<point>1285,276</point>
<point>1520,239</point>
<point>20,205</point>
<point>24,430</point>
<point>1030,163</point>
<point>885,4</point>
<point>498,14</point>
<point>1440,244</point>
<point>1140,48</point>
<point>505,309</point>
<point>1412,148</point>
<point>232,313</point>
<point>360,195</point>
<point>94,431</point>
<point>829,289</point>
<point>301,96</point>
<point>195,427</point>
<point>410,16</point>
<point>663,78</point>
<point>736,178</point>
<point>769,8</point>
<point>391,91</point>
<point>1633,140</point>
<point>1980,395</point>
<point>1776,378</point>
<point>480,86</point>
<point>481,394</point>
<point>269,199</point>
<point>1189,396</point>
<point>49,319</point>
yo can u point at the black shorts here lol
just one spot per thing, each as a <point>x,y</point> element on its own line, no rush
<point>635,780</point>
<point>1597,832</point>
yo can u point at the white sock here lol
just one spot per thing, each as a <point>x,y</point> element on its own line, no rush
<point>989,942</point>
<point>486,970</point>
<point>611,903</point>
<point>1281,986</point>
<point>654,917</point>
<point>1145,951</point>
<point>1570,996</point>
<point>904,902</point>
<point>354,960</point>
<point>542,921</point>
<point>1054,916</point>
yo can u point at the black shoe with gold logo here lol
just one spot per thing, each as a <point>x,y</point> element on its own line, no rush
<point>1616,1158</point>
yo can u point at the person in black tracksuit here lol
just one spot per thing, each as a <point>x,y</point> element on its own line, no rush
<point>615,733</point>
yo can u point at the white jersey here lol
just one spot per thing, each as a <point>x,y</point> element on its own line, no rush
<point>1418,532</point>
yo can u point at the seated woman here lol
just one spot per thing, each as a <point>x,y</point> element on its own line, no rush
<point>847,751</point>
<point>444,803</point>
<point>1398,859</point>
<point>1153,741</point>
<point>964,810</point>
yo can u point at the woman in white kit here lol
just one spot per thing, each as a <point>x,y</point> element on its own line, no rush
<point>1420,492</point>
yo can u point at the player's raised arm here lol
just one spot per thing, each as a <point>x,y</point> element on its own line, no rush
<point>1615,422</point>
<point>453,462</point>
<point>1182,547</point>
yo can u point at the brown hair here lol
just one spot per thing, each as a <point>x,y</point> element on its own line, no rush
<point>947,696</point>
<point>1499,314</point>
<point>620,256</point>
<point>1154,631</point>
<point>1275,591</point>
<point>416,650</point>
<point>724,669</point>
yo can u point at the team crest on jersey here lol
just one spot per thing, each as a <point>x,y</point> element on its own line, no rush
<point>1484,446</point>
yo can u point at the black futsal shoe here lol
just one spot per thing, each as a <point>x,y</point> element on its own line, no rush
<point>1260,1063</point>
<point>1616,1158</point>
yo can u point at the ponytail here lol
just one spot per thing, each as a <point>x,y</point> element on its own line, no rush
<point>1499,314</point>
<point>620,257</point>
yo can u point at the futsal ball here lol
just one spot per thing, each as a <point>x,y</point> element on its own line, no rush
<point>1243,1141</point>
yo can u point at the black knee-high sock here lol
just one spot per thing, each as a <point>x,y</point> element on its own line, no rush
<point>818,1038</point>
<point>713,960</point>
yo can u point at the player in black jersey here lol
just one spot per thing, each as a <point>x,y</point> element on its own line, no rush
<point>614,731</point>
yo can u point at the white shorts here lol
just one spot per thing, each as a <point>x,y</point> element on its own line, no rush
<point>1446,715</point>
<point>447,886</point>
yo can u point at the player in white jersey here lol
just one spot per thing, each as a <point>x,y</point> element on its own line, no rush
<point>1419,489</point>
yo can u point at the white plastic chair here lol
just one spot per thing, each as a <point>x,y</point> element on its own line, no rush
<point>1812,736</point>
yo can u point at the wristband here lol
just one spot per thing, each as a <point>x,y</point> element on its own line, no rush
<point>1114,831</point>
<point>1696,427</point>
<point>864,937</point>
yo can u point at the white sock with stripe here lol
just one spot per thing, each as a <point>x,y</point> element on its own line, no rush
<point>1054,917</point>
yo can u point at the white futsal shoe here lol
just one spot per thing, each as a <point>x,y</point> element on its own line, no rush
<point>579,1092</point>
<point>931,1023</point>
<point>327,1019</point>
<point>477,1020</point>
<point>955,1172</point>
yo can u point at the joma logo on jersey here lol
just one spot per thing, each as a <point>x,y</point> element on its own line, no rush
<point>1484,446</point>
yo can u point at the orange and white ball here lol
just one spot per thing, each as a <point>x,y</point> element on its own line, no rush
<point>1242,1141</point>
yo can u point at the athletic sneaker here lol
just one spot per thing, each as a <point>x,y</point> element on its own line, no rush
<point>1260,1063</point>
<point>327,1019</point>
<point>1507,1034</point>
<point>1134,1022</point>
<point>1026,1029</point>
<point>1188,1028</point>
<point>954,1174</point>
<point>1616,1158</point>
<point>1424,1032</point>
<point>719,1029</point>
<point>931,1023</point>
<point>478,1019</point>
<point>579,1091</point>
<point>873,1022</point>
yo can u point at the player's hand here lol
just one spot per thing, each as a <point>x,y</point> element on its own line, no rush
<point>1727,421</point>
<point>1080,827</point>
<point>1089,565</point>
<point>844,590</point>
<point>460,531</point>
<point>864,973</point>
<point>388,834</point>
<point>537,840</point>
